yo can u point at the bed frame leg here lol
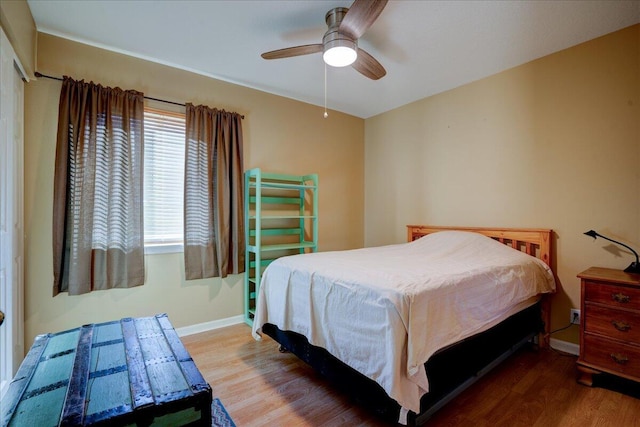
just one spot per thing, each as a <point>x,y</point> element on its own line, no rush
<point>545,308</point>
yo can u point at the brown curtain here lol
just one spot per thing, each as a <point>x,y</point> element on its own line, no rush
<point>98,240</point>
<point>214,238</point>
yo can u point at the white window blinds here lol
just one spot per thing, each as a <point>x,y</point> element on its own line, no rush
<point>164,143</point>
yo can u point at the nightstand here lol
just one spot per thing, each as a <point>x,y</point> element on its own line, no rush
<point>609,324</point>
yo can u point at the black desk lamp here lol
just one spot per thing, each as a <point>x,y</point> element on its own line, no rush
<point>634,267</point>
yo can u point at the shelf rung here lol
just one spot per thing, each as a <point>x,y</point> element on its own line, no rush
<point>276,231</point>
<point>263,217</point>
<point>277,200</point>
<point>282,185</point>
<point>285,246</point>
<point>263,263</point>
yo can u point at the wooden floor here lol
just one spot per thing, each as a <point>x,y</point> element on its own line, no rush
<point>261,387</point>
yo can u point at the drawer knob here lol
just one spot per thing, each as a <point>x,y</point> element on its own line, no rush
<point>621,298</point>
<point>621,325</point>
<point>620,359</point>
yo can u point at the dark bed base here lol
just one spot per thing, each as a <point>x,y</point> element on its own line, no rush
<point>450,370</point>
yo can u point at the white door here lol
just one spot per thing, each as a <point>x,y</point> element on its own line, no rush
<point>11,221</point>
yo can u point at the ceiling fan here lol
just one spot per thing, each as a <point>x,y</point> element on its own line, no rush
<point>340,42</point>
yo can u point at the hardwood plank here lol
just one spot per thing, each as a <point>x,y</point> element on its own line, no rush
<point>261,387</point>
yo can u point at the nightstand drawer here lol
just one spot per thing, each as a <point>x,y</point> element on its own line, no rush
<point>613,295</point>
<point>611,355</point>
<point>614,323</point>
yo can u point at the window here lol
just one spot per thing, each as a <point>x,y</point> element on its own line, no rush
<point>163,180</point>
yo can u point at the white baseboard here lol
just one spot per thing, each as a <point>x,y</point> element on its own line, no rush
<point>209,326</point>
<point>567,347</point>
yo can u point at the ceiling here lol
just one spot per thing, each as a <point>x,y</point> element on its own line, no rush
<point>427,47</point>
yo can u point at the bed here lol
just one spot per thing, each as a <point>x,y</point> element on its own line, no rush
<point>394,326</point>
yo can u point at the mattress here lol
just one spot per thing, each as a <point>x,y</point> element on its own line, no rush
<point>384,311</point>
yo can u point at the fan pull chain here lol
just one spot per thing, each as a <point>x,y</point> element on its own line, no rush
<point>325,91</point>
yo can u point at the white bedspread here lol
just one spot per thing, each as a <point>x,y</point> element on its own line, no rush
<point>385,310</point>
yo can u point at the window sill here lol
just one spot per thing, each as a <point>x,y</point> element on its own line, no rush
<point>163,249</point>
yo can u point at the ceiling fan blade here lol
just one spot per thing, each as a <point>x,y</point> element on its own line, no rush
<point>293,51</point>
<point>368,66</point>
<point>361,15</point>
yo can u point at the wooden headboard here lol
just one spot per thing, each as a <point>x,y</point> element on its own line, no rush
<point>534,241</point>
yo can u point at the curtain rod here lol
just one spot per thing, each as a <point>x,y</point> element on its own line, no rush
<point>38,74</point>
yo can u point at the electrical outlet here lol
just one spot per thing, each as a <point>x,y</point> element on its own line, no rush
<point>575,316</point>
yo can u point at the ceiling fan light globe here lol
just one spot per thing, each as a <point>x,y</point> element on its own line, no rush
<point>340,56</point>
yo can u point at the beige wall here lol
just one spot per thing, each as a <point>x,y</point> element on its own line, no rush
<point>18,24</point>
<point>554,143</point>
<point>280,135</point>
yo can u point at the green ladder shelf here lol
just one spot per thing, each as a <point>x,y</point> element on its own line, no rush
<point>281,218</point>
